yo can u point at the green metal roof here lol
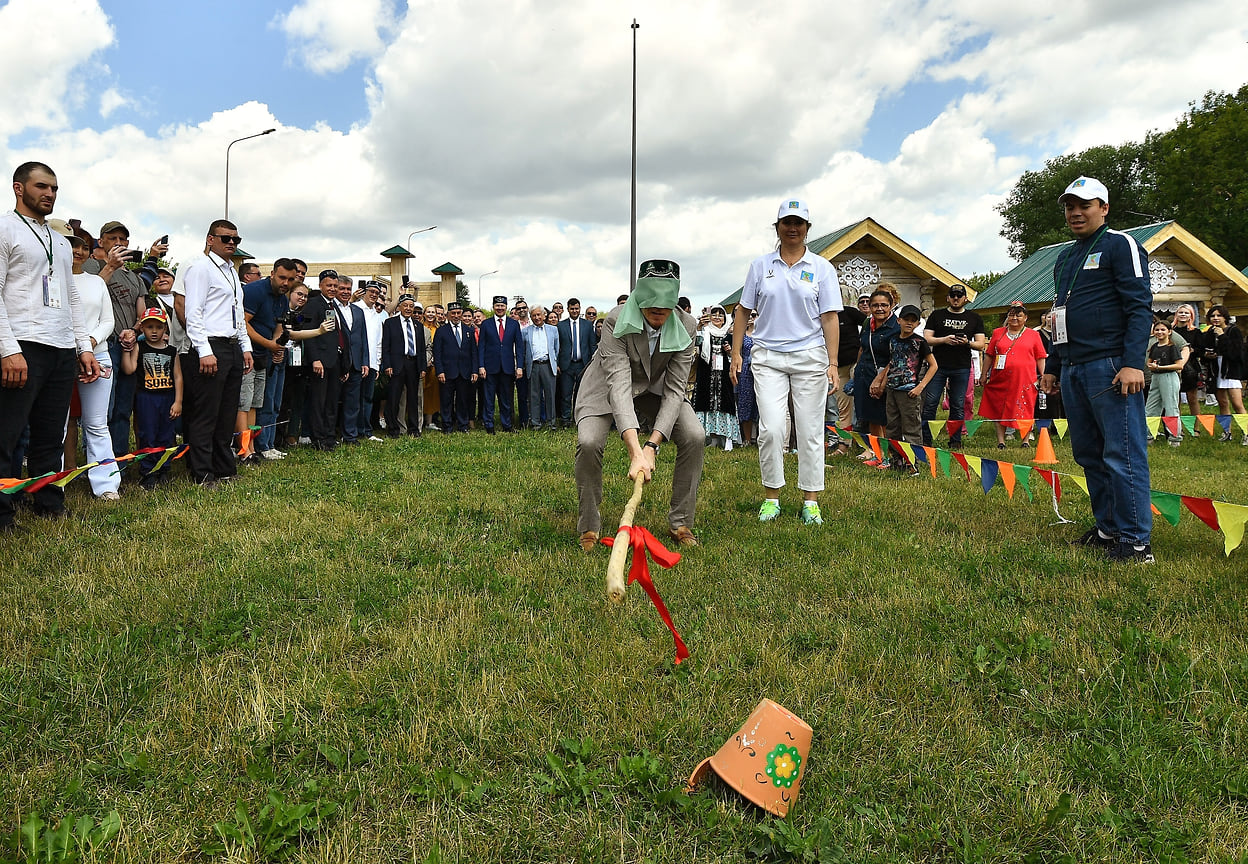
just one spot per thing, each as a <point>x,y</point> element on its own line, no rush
<point>395,251</point>
<point>1032,280</point>
<point>448,267</point>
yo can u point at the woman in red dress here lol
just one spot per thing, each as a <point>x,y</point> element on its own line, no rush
<point>1013,364</point>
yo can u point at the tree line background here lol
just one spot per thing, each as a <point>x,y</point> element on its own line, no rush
<point>1195,174</point>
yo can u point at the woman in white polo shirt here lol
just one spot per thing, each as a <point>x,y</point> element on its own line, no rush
<point>797,297</point>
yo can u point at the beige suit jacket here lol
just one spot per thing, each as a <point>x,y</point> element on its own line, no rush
<point>623,370</point>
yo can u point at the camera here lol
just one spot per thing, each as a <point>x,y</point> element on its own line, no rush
<point>133,256</point>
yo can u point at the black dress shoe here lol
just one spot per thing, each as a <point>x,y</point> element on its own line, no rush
<point>489,430</point>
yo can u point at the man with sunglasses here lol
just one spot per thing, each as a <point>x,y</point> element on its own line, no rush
<point>219,356</point>
<point>952,332</point>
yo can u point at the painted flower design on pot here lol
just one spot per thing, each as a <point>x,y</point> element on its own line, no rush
<point>782,766</point>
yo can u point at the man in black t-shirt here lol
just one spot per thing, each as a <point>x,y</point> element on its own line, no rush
<point>952,333</point>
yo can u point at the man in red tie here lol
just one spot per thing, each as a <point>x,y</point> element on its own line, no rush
<point>500,354</point>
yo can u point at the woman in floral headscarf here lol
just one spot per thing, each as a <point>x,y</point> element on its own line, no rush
<point>713,397</point>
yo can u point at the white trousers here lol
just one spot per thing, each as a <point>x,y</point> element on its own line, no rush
<point>777,375</point>
<point>96,440</point>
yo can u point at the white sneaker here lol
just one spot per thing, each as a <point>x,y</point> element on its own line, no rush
<point>109,496</point>
<point>374,438</point>
<point>305,440</point>
<point>273,455</point>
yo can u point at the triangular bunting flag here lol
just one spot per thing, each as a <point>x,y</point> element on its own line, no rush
<point>1053,479</point>
<point>974,463</point>
<point>1007,477</point>
<point>971,426</point>
<point>934,427</point>
<point>1241,420</point>
<point>64,481</point>
<point>930,453</point>
<point>875,447</point>
<point>1224,420</point>
<point>909,451</point>
<point>160,463</point>
<point>955,427</point>
<point>1203,508</point>
<point>1153,424</point>
<point>961,460</point>
<point>1172,425</point>
<point>988,474</point>
<point>1231,517</point>
<point>945,458</point>
<point>46,480</point>
<point>1024,429</point>
<point>1167,504</point>
<point>1206,420</point>
<point>1060,426</point>
<point>1021,473</point>
<point>1189,423</point>
<point>1079,480</point>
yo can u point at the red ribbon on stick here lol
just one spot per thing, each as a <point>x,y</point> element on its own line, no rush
<point>644,543</point>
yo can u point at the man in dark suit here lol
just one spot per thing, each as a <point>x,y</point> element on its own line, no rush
<point>403,358</point>
<point>500,360</point>
<point>639,374</point>
<point>354,366</point>
<point>323,358</point>
<point>455,360</point>
<point>576,347</point>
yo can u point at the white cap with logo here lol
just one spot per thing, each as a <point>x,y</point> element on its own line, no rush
<point>793,207</point>
<point>1085,189</point>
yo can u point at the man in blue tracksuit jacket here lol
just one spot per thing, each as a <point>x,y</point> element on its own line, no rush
<point>1104,318</point>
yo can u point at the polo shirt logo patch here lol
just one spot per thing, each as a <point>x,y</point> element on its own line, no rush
<point>807,276</point>
<point>1092,262</point>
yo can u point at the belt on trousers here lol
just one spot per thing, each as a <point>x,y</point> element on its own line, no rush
<point>539,362</point>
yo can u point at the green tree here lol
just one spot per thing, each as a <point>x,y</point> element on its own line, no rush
<point>1200,172</point>
<point>1034,219</point>
<point>461,293</point>
<point>979,281</point>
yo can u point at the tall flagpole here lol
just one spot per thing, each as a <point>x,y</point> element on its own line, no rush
<point>632,254</point>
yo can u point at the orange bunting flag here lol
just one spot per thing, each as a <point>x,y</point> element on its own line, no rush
<point>1206,420</point>
<point>875,447</point>
<point>1024,429</point>
<point>1007,477</point>
<point>931,458</point>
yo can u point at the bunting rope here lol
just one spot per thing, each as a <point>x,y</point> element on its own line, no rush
<point>1025,425</point>
<point>1221,516</point>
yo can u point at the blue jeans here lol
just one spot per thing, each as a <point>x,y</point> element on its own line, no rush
<point>266,417</point>
<point>955,381</point>
<point>1109,440</point>
<point>121,404</point>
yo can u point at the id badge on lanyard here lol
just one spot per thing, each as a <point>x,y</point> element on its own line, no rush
<point>1059,325</point>
<point>52,290</point>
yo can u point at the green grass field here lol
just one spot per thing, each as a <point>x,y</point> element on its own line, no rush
<point>389,654</point>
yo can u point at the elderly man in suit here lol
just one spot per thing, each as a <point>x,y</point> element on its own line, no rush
<point>541,365</point>
<point>576,346</point>
<point>403,358</point>
<point>500,361</point>
<point>639,373</point>
<point>454,361</point>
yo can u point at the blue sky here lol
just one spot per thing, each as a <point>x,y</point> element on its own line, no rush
<point>506,123</point>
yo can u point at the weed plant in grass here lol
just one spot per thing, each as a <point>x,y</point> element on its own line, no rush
<point>384,654</point>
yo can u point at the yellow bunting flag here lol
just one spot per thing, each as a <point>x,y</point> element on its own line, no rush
<point>907,449</point>
<point>935,427</point>
<point>1231,520</point>
<point>973,463</point>
<point>1080,481</point>
<point>72,474</point>
<point>1241,420</point>
<point>1060,426</point>
<point>1154,425</point>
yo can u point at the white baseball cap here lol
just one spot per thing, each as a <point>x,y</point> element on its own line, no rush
<point>793,207</point>
<point>1085,189</point>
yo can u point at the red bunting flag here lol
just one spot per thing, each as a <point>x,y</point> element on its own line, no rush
<point>1203,508</point>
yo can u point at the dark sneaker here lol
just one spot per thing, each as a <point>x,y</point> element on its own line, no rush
<point>1128,553</point>
<point>1094,539</point>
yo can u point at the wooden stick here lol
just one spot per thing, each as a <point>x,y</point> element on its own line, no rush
<point>619,550</point>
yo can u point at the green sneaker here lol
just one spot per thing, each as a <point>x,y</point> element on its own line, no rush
<point>769,511</point>
<point>810,514</point>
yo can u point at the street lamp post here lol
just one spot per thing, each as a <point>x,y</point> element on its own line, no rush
<point>632,222</point>
<point>227,165</point>
<point>408,268</point>
<point>479,278</point>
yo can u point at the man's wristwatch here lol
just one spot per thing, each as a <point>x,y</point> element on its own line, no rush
<point>652,444</point>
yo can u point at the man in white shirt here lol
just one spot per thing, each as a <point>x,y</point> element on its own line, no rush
<point>367,303</point>
<point>43,338</point>
<point>219,356</point>
<point>541,365</point>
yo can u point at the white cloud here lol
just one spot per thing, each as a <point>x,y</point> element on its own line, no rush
<point>40,45</point>
<point>507,125</point>
<point>110,100</point>
<point>330,34</point>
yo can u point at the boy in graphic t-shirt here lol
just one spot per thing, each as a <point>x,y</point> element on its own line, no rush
<point>158,399</point>
<point>903,397</point>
